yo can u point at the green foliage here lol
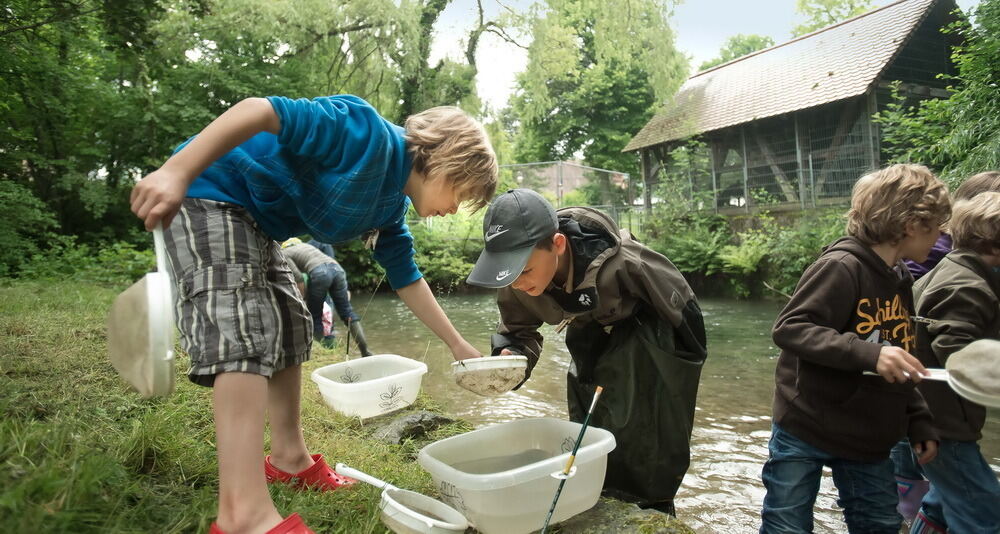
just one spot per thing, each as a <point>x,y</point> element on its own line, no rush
<point>114,265</point>
<point>596,73</point>
<point>796,246</point>
<point>958,136</point>
<point>736,46</point>
<point>26,222</point>
<point>96,93</point>
<point>822,13</point>
<point>447,249</point>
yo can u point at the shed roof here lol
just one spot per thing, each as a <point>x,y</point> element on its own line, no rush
<point>834,63</point>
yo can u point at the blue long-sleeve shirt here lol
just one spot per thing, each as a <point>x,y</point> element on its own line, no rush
<point>335,170</point>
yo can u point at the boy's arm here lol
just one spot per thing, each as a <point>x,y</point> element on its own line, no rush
<point>158,196</point>
<point>810,326</point>
<point>961,315</point>
<point>920,427</point>
<point>517,330</point>
<point>419,298</point>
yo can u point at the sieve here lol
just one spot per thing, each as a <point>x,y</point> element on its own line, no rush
<point>956,372</point>
<point>980,359</point>
<point>141,329</point>
<point>490,375</point>
<point>409,512</point>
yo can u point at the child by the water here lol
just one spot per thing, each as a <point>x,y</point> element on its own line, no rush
<point>266,170</point>
<point>850,314</point>
<point>634,327</point>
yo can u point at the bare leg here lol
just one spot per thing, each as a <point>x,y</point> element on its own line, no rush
<point>288,448</point>
<point>245,506</point>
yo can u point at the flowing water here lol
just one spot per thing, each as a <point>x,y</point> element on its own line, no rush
<point>722,492</point>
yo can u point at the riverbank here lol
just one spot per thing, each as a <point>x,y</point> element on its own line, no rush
<point>82,453</point>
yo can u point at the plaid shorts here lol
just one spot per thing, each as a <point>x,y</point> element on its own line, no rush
<point>237,306</point>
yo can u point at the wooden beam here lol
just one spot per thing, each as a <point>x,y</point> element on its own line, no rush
<point>779,174</point>
<point>844,126</point>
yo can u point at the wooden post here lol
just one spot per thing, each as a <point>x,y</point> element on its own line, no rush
<point>874,137</point>
<point>798,162</point>
<point>746,169</point>
<point>715,180</point>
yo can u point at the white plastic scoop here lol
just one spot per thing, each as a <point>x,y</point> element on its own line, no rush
<point>972,372</point>
<point>490,376</point>
<point>409,512</point>
<point>141,329</point>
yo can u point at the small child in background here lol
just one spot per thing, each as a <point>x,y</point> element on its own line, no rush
<point>961,296</point>
<point>850,314</point>
<point>327,280</point>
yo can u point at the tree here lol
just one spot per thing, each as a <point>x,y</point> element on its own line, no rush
<point>958,136</point>
<point>736,46</point>
<point>596,73</point>
<point>822,13</point>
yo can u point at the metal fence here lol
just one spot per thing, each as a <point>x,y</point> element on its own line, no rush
<point>563,182</point>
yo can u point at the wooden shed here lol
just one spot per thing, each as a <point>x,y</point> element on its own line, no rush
<point>790,126</point>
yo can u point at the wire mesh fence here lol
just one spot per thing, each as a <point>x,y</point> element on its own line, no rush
<point>795,161</point>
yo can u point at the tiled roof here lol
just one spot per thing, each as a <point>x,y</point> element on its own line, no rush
<point>836,62</point>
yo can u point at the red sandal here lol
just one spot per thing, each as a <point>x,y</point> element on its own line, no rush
<point>317,476</point>
<point>292,524</point>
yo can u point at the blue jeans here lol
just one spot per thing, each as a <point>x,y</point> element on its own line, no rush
<point>965,494</point>
<point>328,279</point>
<point>903,461</point>
<point>792,475</point>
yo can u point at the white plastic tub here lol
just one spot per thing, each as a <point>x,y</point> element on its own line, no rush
<point>500,477</point>
<point>370,386</point>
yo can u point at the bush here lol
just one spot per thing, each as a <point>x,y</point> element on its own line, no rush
<point>796,246</point>
<point>27,221</point>
<point>116,265</point>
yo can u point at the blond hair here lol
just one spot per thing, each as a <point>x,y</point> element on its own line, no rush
<point>884,201</point>
<point>975,223</point>
<point>979,183</point>
<point>446,142</point>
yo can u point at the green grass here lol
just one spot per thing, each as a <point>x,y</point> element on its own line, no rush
<point>80,452</point>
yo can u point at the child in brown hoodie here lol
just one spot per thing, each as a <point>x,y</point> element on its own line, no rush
<point>850,314</point>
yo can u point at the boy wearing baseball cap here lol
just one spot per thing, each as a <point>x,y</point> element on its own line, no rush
<point>634,327</point>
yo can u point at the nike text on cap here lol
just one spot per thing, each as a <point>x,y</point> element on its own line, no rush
<point>515,222</point>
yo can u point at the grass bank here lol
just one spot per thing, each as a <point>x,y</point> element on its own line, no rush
<point>82,453</point>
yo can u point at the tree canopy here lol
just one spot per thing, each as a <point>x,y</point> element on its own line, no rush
<point>96,93</point>
<point>596,73</point>
<point>736,46</point>
<point>822,13</point>
<point>958,136</point>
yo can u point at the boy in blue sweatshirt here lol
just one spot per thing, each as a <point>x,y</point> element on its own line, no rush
<point>266,170</point>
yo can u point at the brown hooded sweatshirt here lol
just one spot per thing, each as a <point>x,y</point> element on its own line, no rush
<point>847,305</point>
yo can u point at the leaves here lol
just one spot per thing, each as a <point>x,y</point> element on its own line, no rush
<point>596,73</point>
<point>958,136</point>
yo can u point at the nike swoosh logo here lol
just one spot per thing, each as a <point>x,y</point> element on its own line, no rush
<point>502,274</point>
<point>490,237</point>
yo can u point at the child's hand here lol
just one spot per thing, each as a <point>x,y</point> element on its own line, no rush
<point>507,352</point>
<point>464,350</point>
<point>158,197</point>
<point>896,365</point>
<point>925,451</point>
